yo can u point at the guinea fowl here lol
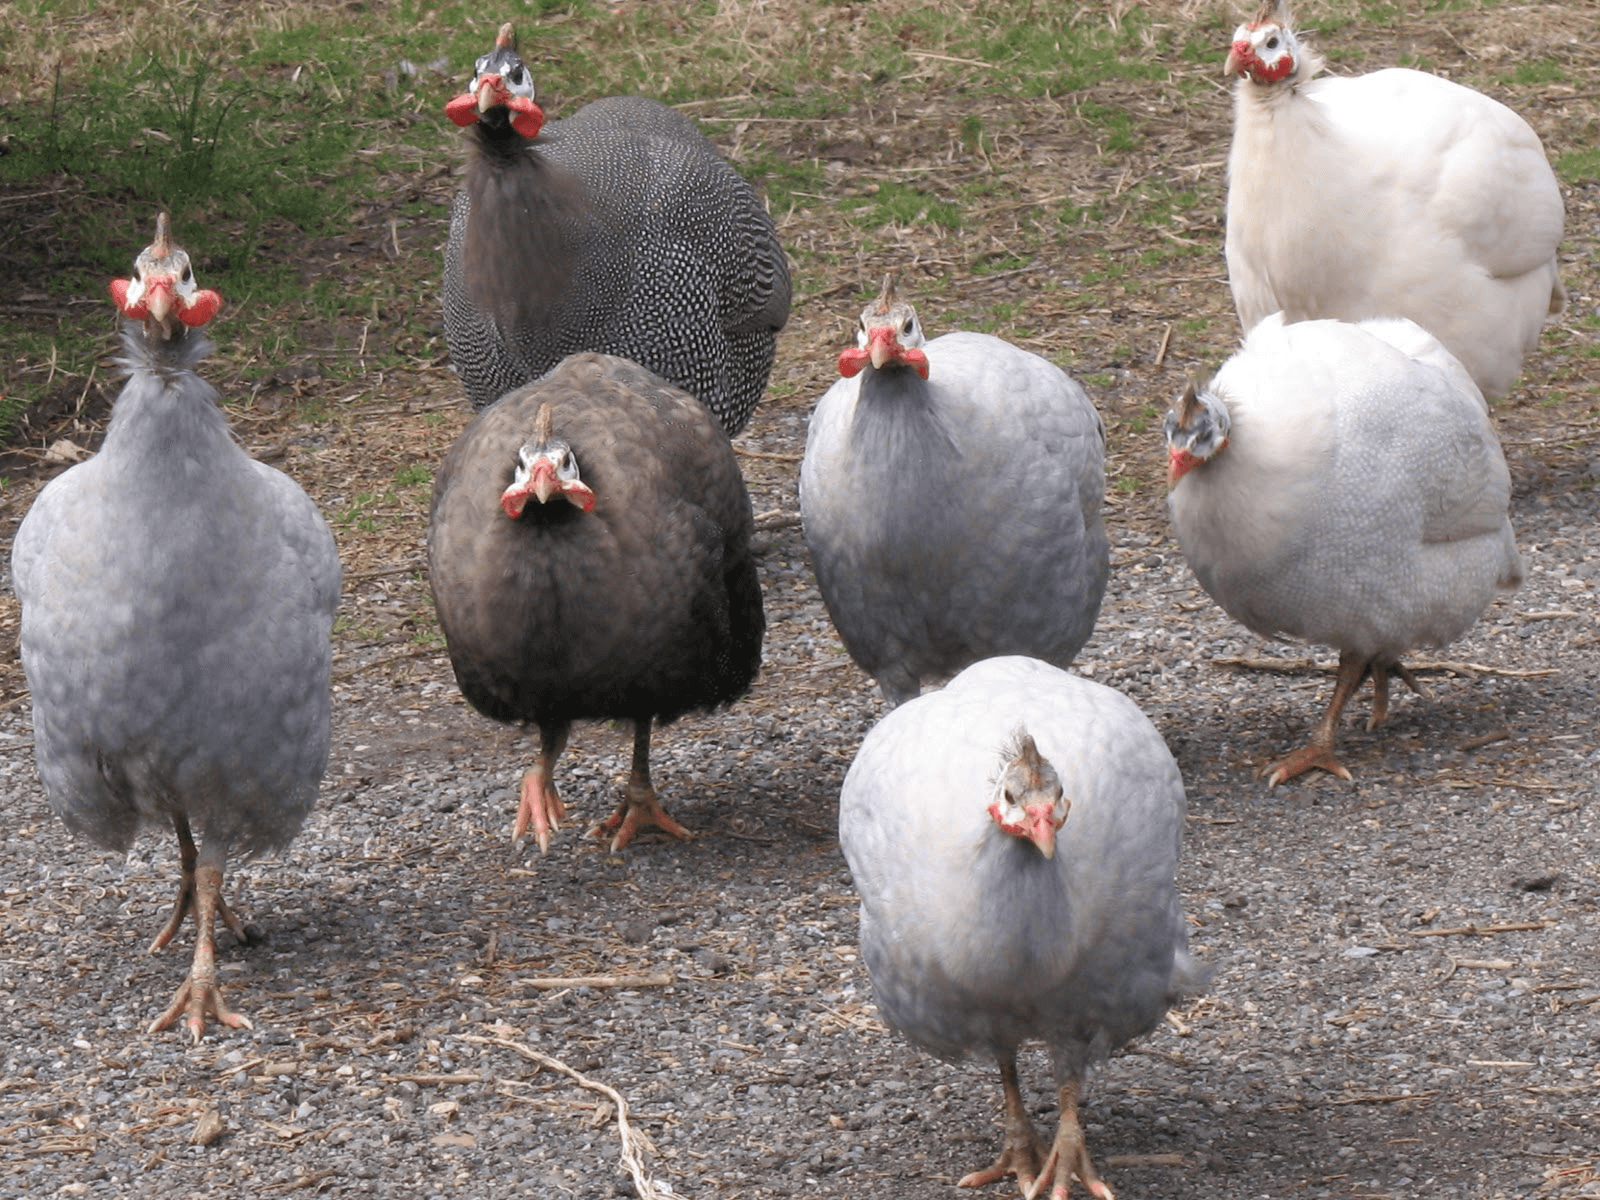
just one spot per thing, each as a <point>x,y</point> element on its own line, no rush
<point>1014,839</point>
<point>951,494</point>
<point>627,591</point>
<point>177,600</point>
<point>620,230</point>
<point>1393,194</point>
<point>1342,484</point>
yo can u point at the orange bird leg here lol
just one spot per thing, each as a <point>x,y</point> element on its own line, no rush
<point>1069,1155</point>
<point>200,997</point>
<point>1318,752</point>
<point>541,804</point>
<point>1020,1153</point>
<point>184,904</point>
<point>640,809</point>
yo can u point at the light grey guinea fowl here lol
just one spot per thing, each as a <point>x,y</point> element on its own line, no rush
<point>177,600</point>
<point>1014,839</point>
<point>1342,484</point>
<point>951,494</point>
<point>620,230</point>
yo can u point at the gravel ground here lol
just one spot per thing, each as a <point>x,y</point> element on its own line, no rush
<point>1406,1002</point>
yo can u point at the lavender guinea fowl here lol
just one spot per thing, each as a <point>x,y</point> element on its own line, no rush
<point>620,230</point>
<point>1391,194</point>
<point>1014,838</point>
<point>951,494</point>
<point>1342,484</point>
<point>589,552</point>
<point>177,600</point>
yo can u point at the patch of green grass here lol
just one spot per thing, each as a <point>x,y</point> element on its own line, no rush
<point>901,204</point>
<point>1578,166</point>
<point>413,474</point>
<point>1544,70</point>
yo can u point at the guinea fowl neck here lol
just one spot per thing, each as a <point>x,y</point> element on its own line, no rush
<point>165,410</point>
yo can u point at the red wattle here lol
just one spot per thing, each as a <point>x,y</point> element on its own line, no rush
<point>916,360</point>
<point>527,117</point>
<point>119,297</point>
<point>463,110</point>
<point>851,361</point>
<point>202,306</point>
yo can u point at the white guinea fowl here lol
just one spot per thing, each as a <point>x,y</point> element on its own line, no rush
<point>1342,484</point>
<point>951,494</point>
<point>1014,838</point>
<point>1392,194</point>
<point>177,600</point>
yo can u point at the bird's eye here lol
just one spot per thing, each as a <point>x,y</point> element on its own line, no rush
<point>515,75</point>
<point>188,274</point>
<point>1272,43</point>
<point>908,326</point>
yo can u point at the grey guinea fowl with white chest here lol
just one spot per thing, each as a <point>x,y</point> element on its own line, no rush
<point>619,230</point>
<point>1014,838</point>
<point>1391,194</point>
<point>177,601</point>
<point>1341,484</point>
<point>951,494</point>
<point>589,553</point>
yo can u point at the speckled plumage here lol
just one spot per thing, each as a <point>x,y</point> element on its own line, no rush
<point>646,607</point>
<point>177,600</point>
<point>1391,194</point>
<point>959,516</point>
<point>974,940</point>
<point>619,230</point>
<point>1361,500</point>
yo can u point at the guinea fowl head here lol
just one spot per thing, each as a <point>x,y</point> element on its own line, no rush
<point>1029,802</point>
<point>545,468</point>
<point>887,335</point>
<point>1265,49</point>
<point>163,288</point>
<point>501,93</point>
<point>1197,431</point>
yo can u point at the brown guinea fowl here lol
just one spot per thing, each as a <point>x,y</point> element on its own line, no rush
<point>177,599</point>
<point>589,552</point>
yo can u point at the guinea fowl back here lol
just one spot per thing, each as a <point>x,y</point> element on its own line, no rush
<point>647,606</point>
<point>619,230</point>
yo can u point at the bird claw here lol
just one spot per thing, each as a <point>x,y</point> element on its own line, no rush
<point>197,999</point>
<point>540,807</point>
<point>1305,759</point>
<point>638,811</point>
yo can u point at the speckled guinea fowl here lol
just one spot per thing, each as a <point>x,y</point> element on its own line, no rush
<point>1014,838</point>
<point>1342,484</point>
<point>620,230</point>
<point>951,494</point>
<point>177,600</point>
<point>589,552</point>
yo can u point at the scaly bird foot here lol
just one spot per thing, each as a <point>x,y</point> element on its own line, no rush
<point>541,807</point>
<point>1306,758</point>
<point>199,999</point>
<point>641,810</point>
<point>1021,1156</point>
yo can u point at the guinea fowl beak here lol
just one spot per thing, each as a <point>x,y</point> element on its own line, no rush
<point>1239,54</point>
<point>881,345</point>
<point>1040,827</point>
<point>1179,463</point>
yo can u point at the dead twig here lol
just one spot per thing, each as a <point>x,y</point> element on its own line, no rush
<point>1481,930</point>
<point>549,984</point>
<point>633,1143</point>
